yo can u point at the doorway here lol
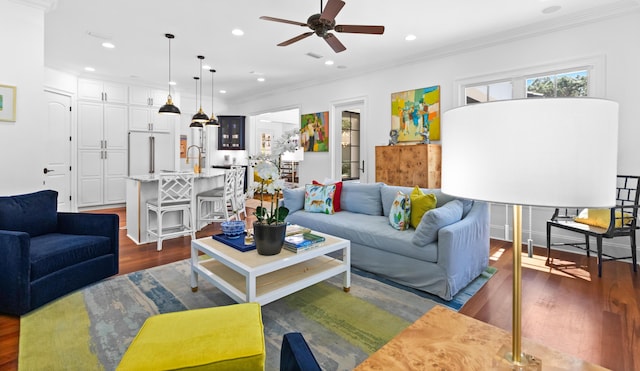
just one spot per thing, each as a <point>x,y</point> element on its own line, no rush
<point>57,173</point>
<point>349,148</point>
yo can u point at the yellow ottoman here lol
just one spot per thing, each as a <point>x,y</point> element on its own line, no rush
<point>219,338</point>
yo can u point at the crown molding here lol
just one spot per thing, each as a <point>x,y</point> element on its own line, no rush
<point>45,5</point>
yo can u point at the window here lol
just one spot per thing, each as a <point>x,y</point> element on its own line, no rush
<point>489,92</point>
<point>350,145</point>
<point>570,84</point>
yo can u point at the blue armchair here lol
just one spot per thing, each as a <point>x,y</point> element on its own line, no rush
<point>45,254</point>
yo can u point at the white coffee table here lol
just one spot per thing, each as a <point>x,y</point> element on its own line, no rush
<point>250,277</point>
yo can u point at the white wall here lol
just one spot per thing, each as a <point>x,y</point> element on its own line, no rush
<point>615,39</point>
<point>22,65</point>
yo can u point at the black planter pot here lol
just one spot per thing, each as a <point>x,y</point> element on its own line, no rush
<point>269,237</point>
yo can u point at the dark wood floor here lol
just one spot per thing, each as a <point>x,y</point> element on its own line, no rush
<point>569,309</point>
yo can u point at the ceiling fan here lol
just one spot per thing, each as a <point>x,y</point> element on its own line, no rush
<point>322,23</point>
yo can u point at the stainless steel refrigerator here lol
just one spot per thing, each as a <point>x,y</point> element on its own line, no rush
<point>150,152</point>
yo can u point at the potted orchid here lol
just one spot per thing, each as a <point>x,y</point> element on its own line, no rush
<point>269,229</point>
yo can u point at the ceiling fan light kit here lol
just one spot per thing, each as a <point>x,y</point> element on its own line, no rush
<point>169,108</point>
<point>325,21</point>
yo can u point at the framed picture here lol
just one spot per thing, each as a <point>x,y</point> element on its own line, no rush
<point>7,103</point>
<point>415,114</point>
<point>265,142</point>
<point>183,146</point>
<point>314,132</point>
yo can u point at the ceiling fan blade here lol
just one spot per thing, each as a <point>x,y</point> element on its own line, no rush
<point>283,21</point>
<point>331,10</point>
<point>351,28</point>
<point>334,43</point>
<point>297,38</point>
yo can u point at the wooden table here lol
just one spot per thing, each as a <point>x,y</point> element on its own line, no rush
<point>446,340</point>
<point>250,277</point>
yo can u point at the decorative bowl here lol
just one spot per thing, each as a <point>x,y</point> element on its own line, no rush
<point>233,228</point>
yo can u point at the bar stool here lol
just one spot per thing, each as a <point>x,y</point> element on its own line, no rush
<point>217,204</point>
<point>240,198</point>
<point>175,192</point>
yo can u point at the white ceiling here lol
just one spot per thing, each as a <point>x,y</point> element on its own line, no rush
<point>203,27</point>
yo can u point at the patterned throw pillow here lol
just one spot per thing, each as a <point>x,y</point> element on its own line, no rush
<point>336,198</point>
<point>319,198</point>
<point>400,214</point>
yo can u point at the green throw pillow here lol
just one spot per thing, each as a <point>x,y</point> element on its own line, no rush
<point>420,204</point>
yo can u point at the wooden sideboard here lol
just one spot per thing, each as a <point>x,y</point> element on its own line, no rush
<point>409,165</point>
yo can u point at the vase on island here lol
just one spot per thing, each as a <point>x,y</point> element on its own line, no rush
<point>269,238</point>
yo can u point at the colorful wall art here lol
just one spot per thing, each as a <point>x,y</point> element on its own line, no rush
<point>314,131</point>
<point>415,114</point>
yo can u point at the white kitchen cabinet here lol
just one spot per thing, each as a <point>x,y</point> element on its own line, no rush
<point>101,177</point>
<point>140,117</point>
<point>144,96</point>
<point>102,153</point>
<point>102,91</point>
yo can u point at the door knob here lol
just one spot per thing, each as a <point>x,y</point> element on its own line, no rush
<point>47,170</point>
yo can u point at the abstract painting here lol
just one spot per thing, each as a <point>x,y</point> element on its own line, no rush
<point>415,114</point>
<point>7,103</point>
<point>314,131</point>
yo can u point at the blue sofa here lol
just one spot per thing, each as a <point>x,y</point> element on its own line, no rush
<point>442,267</point>
<point>47,254</point>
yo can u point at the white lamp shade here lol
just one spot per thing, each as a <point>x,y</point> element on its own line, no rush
<point>557,152</point>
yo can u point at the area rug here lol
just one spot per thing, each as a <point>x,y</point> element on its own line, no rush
<point>91,329</point>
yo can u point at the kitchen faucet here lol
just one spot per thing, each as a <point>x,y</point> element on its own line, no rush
<point>196,167</point>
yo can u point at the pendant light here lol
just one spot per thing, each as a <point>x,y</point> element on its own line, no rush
<point>194,123</point>
<point>200,117</point>
<point>212,120</point>
<point>169,108</point>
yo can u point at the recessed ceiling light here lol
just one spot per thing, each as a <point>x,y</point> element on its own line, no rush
<point>172,83</point>
<point>223,92</point>
<point>206,67</point>
<point>410,37</point>
<point>328,63</point>
<point>261,79</point>
<point>551,9</point>
<point>237,32</point>
<point>108,45</point>
<point>90,69</point>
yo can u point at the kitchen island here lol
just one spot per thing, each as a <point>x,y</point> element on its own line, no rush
<point>141,188</point>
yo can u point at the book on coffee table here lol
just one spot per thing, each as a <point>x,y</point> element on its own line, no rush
<point>302,241</point>
<point>296,229</point>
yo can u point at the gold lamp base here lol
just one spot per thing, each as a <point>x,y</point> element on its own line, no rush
<point>505,361</point>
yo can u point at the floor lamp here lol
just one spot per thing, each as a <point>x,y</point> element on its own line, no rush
<point>554,152</point>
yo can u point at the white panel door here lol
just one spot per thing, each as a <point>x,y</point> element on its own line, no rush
<point>57,173</point>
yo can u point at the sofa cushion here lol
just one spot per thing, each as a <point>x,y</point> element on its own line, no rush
<point>319,198</point>
<point>53,252</point>
<point>421,203</point>
<point>368,230</point>
<point>336,199</point>
<point>293,198</point>
<point>400,215</point>
<point>362,198</point>
<point>433,220</point>
<point>34,213</point>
